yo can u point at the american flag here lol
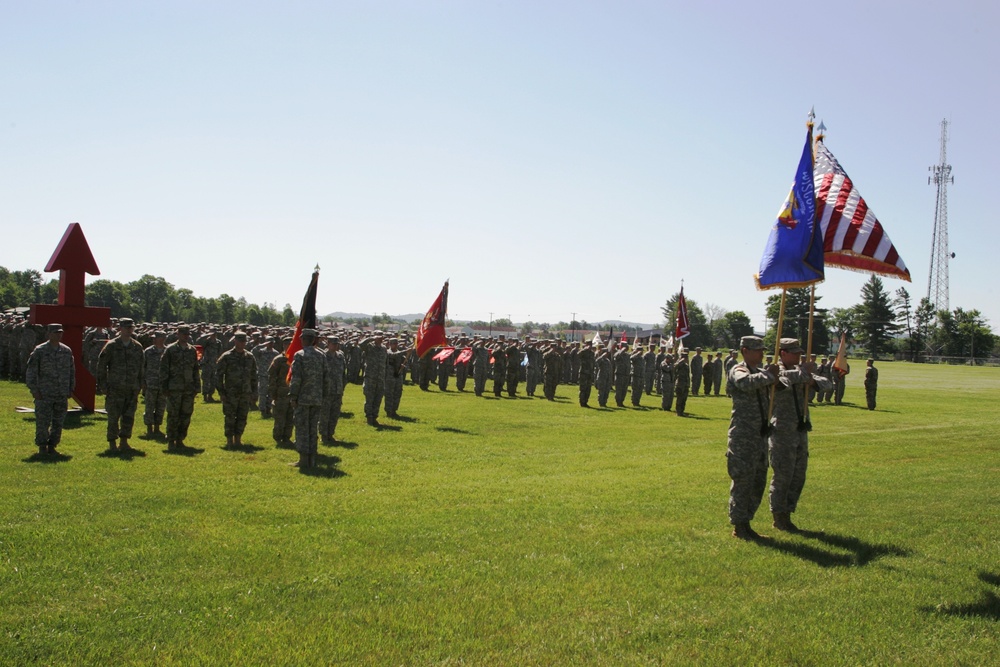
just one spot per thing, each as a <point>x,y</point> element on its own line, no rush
<point>853,238</point>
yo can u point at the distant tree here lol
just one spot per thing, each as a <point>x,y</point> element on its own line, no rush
<point>288,316</point>
<point>733,326</point>
<point>700,336</point>
<point>924,324</point>
<point>527,328</point>
<point>108,294</point>
<point>962,333</point>
<point>227,309</point>
<point>502,322</point>
<point>876,318</point>
<point>903,307</point>
<point>795,323</point>
<point>148,295</point>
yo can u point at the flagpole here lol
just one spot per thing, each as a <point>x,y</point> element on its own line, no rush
<point>809,342</point>
<point>777,350</point>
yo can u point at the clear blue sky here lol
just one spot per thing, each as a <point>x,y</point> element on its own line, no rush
<point>547,157</point>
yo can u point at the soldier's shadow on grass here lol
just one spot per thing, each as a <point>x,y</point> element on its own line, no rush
<point>859,552</point>
<point>988,605</point>
<point>126,455</point>
<point>184,451</point>
<point>449,429</point>
<point>404,419</point>
<point>346,415</point>
<point>688,415</point>
<point>342,443</point>
<point>326,466</point>
<point>58,457</point>
<point>246,448</point>
<point>388,427</point>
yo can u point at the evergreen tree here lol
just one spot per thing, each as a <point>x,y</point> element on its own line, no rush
<point>877,320</point>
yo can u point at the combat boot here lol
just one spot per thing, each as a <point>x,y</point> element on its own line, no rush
<point>743,531</point>
<point>237,441</point>
<point>229,441</point>
<point>113,446</point>
<point>303,461</point>
<point>783,521</point>
<point>149,430</point>
<point>124,445</point>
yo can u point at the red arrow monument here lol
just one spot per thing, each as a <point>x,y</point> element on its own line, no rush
<point>72,259</point>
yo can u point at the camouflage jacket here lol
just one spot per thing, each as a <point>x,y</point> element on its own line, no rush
<point>236,373</point>
<point>179,369</point>
<point>151,365</point>
<point>310,382</point>
<point>277,378</point>
<point>750,389</point>
<point>51,371</point>
<point>120,366</point>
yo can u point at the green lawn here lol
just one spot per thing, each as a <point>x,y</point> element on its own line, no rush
<point>511,532</point>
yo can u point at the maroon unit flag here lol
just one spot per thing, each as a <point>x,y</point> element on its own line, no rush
<point>683,326</point>
<point>307,320</point>
<point>431,331</point>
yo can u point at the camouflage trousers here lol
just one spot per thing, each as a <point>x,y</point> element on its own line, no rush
<point>263,396</point>
<point>444,372</point>
<point>603,390</point>
<point>512,381</point>
<point>531,380</point>
<point>461,375</point>
<point>748,469</point>
<point>498,381</point>
<point>374,392</point>
<point>180,407</point>
<point>650,380</point>
<point>393,389</point>
<point>681,394</point>
<point>284,420</point>
<point>667,396</point>
<point>235,408</point>
<point>479,381</point>
<point>156,404</point>
<point>50,414</point>
<point>838,392</point>
<point>586,383</point>
<point>621,388</point>
<point>789,460</point>
<point>696,383</point>
<point>638,385</point>
<point>870,397</point>
<point>329,416</point>
<point>208,379</point>
<point>121,407</point>
<point>307,428</point>
<point>549,388</point>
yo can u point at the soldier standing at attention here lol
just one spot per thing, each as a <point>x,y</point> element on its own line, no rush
<point>51,378</point>
<point>622,362</point>
<point>281,407</point>
<point>840,378</point>
<point>604,376</point>
<point>309,385</point>
<point>513,353</point>
<point>533,375</point>
<point>682,381</point>
<point>552,360</point>
<point>649,367</point>
<point>211,350</point>
<point>155,401</point>
<point>395,370</point>
<point>667,382</point>
<point>236,379</point>
<point>264,354</point>
<point>329,416</point>
<point>789,442</point>
<point>120,375</point>
<point>374,383</point>
<point>731,361</point>
<point>586,373</point>
<point>480,364</point>
<point>461,367</point>
<point>697,366</point>
<point>179,382</point>
<point>716,374</point>
<point>499,354</point>
<point>871,383</point>
<point>637,367</point>
<point>746,454</point>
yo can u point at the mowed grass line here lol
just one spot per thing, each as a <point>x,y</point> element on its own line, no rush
<point>511,531</point>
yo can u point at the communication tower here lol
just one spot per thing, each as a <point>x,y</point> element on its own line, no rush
<point>937,283</point>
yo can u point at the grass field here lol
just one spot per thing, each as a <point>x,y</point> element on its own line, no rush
<point>511,532</point>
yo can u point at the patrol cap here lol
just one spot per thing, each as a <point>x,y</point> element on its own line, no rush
<point>184,329</point>
<point>286,340</point>
<point>240,335</point>
<point>159,333</point>
<point>54,328</point>
<point>268,339</point>
<point>309,333</point>
<point>790,345</point>
<point>126,322</point>
<point>697,349</point>
<point>334,340</point>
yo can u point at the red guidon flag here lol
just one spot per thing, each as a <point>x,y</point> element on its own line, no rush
<point>307,320</point>
<point>853,238</point>
<point>683,326</point>
<point>444,354</point>
<point>431,331</point>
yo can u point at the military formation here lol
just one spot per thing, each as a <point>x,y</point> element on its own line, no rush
<point>251,369</point>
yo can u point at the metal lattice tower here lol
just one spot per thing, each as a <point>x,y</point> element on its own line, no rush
<point>937,283</point>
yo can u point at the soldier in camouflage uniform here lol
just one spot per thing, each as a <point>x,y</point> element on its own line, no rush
<point>697,367</point>
<point>309,386</point>
<point>746,455</point>
<point>156,402</point>
<point>649,367</point>
<point>480,366</point>
<point>840,386</point>
<point>533,375</point>
<point>374,384</point>
<point>637,373</point>
<point>789,442</point>
<point>553,362</point>
<point>395,371</point>
<point>513,353</point>
<point>337,369</point>
<point>180,381</point>
<point>461,368</point>
<point>682,381</point>
<point>264,354</point>
<point>51,379</point>
<point>499,354</point>
<point>871,383</point>
<point>587,360</point>
<point>667,382</point>
<point>120,368</point>
<point>236,379</point>
<point>604,377</point>
<point>281,407</point>
<point>211,350</point>
<point>445,366</point>
<point>623,370</point>
<point>727,366</point>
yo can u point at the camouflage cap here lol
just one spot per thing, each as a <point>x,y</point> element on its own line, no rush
<point>126,322</point>
<point>240,335</point>
<point>184,329</point>
<point>159,333</point>
<point>333,340</point>
<point>309,333</point>
<point>54,328</point>
<point>790,345</point>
